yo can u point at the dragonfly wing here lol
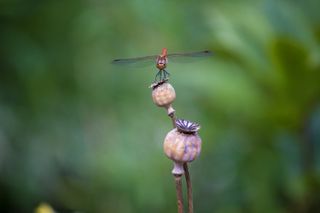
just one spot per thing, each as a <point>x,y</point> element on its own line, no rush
<point>189,57</point>
<point>204,53</point>
<point>134,60</point>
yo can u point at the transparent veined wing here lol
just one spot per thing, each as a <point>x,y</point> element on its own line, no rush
<point>204,53</point>
<point>177,57</point>
<point>134,60</point>
<point>189,56</point>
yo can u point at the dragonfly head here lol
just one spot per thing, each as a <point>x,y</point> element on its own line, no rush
<point>162,62</point>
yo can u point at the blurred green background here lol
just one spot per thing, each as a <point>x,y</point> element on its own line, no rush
<point>84,136</point>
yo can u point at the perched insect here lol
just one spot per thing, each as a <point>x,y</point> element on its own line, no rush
<point>162,60</point>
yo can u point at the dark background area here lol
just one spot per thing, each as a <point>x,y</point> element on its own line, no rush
<point>83,135</point>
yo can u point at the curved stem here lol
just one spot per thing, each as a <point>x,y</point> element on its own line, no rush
<point>177,179</point>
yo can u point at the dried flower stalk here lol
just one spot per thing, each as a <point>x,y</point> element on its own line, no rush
<point>184,136</point>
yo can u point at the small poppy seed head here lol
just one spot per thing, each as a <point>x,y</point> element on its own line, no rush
<point>163,94</point>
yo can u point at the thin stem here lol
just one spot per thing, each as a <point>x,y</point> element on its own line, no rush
<point>173,119</point>
<point>186,173</point>
<point>177,179</point>
<point>189,187</point>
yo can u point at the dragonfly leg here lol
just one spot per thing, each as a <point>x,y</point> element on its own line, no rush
<point>156,77</point>
<point>166,74</point>
<point>161,75</point>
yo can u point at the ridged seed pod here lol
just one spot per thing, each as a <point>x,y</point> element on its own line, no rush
<point>163,95</point>
<point>182,144</point>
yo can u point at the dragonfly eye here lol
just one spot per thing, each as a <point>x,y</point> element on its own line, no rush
<point>161,61</point>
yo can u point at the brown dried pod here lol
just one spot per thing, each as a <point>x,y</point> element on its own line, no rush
<point>182,144</point>
<point>163,95</point>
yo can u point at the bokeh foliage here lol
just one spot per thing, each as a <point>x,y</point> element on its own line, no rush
<point>84,136</point>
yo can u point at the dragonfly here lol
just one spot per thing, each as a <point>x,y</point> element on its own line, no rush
<point>161,61</point>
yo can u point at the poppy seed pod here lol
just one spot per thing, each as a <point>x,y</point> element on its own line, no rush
<point>182,144</point>
<point>163,95</point>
